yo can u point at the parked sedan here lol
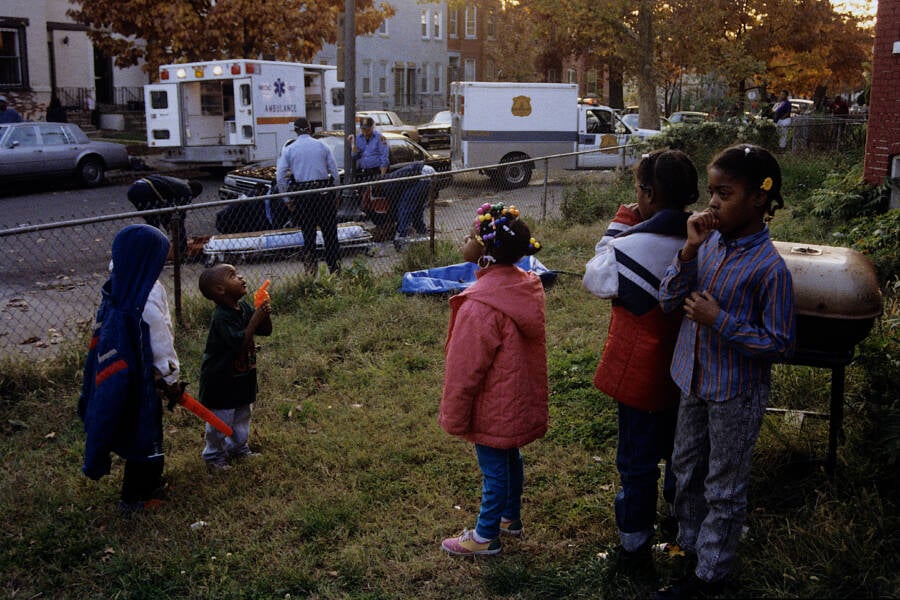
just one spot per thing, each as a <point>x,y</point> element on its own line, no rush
<point>32,149</point>
<point>436,133</point>
<point>387,121</point>
<point>690,117</point>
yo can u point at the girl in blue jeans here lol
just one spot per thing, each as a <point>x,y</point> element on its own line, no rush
<point>495,381</point>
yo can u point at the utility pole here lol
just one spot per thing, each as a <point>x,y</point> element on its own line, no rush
<point>349,85</point>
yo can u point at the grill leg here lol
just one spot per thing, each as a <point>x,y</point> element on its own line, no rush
<point>836,416</point>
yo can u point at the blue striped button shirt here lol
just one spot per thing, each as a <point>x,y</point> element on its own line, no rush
<point>755,325</point>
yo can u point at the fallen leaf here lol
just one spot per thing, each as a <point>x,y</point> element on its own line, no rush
<point>50,435</point>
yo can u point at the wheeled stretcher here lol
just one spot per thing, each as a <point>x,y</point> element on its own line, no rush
<point>235,247</point>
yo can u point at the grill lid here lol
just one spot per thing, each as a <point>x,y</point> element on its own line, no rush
<point>831,282</point>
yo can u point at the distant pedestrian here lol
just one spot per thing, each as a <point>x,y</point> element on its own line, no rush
<point>8,115</point>
<point>839,107</point>
<point>55,111</point>
<point>782,116</point>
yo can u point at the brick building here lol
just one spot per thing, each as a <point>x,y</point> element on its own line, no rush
<point>883,140</point>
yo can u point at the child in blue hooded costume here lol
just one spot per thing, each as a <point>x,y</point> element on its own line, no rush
<point>119,404</point>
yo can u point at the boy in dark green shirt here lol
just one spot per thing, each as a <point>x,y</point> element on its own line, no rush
<point>228,369</point>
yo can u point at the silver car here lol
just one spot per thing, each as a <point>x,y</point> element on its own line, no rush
<point>35,149</point>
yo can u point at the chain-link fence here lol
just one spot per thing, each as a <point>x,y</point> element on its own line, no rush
<point>823,133</point>
<point>51,273</point>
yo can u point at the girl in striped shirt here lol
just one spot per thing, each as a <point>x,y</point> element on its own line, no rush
<point>738,302</point>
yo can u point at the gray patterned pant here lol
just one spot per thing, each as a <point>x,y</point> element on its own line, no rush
<point>711,460</point>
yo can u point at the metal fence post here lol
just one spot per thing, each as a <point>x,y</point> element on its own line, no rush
<point>544,199</point>
<point>432,195</point>
<point>175,232</point>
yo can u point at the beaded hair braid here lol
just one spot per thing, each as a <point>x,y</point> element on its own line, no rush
<point>495,228</point>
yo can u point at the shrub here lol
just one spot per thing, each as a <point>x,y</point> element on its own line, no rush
<point>703,140</point>
<point>587,203</point>
<point>877,237</point>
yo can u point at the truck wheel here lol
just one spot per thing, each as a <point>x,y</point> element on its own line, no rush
<point>513,176</point>
<point>91,171</point>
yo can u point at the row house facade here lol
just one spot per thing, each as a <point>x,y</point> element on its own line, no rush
<point>42,51</point>
<point>407,65</point>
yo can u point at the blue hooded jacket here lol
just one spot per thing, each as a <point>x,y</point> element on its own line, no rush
<point>119,405</point>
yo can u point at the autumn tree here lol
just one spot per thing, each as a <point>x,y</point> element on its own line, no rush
<point>193,30</point>
<point>515,52</point>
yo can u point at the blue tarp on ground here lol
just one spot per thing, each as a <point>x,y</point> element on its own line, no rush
<point>453,278</point>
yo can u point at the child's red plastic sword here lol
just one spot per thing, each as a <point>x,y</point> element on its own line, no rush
<point>190,403</point>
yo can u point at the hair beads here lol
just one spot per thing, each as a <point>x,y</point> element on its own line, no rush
<point>494,218</point>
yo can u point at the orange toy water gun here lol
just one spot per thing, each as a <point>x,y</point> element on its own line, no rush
<point>262,294</point>
<point>191,403</point>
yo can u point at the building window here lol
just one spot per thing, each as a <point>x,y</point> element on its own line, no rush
<point>423,85</point>
<point>471,23</point>
<point>383,28</point>
<point>437,78</point>
<point>551,76</point>
<point>436,24</point>
<point>13,55</point>
<point>491,24</point>
<point>424,24</point>
<point>590,81</point>
<point>452,22</point>
<point>489,71</point>
<point>469,70</point>
<point>382,78</point>
<point>571,76</point>
<point>367,77</point>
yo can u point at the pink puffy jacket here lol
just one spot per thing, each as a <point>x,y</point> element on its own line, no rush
<point>495,381</point>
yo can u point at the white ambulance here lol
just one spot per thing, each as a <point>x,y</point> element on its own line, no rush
<point>494,123</point>
<point>233,112</point>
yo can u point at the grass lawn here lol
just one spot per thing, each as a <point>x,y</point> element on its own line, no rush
<point>357,485</point>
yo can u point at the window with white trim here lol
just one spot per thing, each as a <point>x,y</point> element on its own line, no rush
<point>571,76</point>
<point>438,68</point>
<point>383,28</point>
<point>452,22</point>
<point>491,24</point>
<point>382,77</point>
<point>590,81</point>
<point>423,78</point>
<point>13,55</point>
<point>424,24</point>
<point>436,19</point>
<point>471,23</point>
<point>367,77</point>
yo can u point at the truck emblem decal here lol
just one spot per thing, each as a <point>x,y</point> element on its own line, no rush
<point>279,87</point>
<point>521,106</point>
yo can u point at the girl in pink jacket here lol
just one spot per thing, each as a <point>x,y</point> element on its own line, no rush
<point>495,381</point>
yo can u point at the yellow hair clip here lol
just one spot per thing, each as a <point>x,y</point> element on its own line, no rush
<point>766,184</point>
